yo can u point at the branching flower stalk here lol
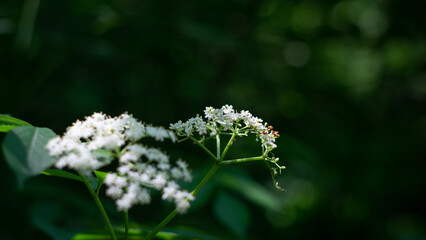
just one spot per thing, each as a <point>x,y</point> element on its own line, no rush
<point>99,140</point>
<point>224,121</point>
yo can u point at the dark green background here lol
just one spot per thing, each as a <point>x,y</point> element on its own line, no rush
<point>344,82</point>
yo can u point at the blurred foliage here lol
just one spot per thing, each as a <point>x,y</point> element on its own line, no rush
<point>343,81</point>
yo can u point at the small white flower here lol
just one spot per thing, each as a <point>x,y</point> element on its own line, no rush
<point>133,153</point>
<point>170,190</point>
<point>246,116</point>
<point>124,203</point>
<point>143,196</point>
<point>183,167</point>
<point>172,136</point>
<point>55,147</point>
<point>151,170</point>
<point>227,109</point>
<point>177,173</point>
<point>158,133</point>
<point>120,182</point>
<point>159,181</point>
<point>182,206</point>
<point>163,166</point>
<point>144,177</point>
<point>135,130</point>
<point>209,112</point>
<point>79,130</point>
<point>182,199</point>
<point>227,124</point>
<point>154,154</point>
<point>188,128</point>
<point>177,126</point>
<point>114,192</point>
<point>110,178</point>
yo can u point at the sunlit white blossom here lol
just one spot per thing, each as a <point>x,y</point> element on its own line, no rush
<point>145,174</point>
<point>226,119</point>
<point>99,139</point>
<point>79,147</point>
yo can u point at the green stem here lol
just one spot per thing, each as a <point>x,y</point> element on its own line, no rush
<point>160,226</point>
<point>243,129</point>
<point>217,146</point>
<point>98,189</point>
<point>200,185</point>
<point>225,133</point>
<point>203,147</point>
<point>173,214</point>
<point>241,160</point>
<point>126,225</point>
<point>99,205</point>
<point>227,147</point>
<point>206,178</point>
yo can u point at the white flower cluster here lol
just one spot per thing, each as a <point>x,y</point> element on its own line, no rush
<point>128,187</point>
<point>93,143</point>
<point>227,119</point>
<point>82,146</point>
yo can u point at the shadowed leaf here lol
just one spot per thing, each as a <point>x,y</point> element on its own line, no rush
<point>25,152</point>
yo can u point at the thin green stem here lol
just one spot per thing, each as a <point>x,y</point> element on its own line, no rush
<point>126,225</point>
<point>160,226</point>
<point>99,205</point>
<point>241,160</point>
<point>217,146</point>
<point>225,133</point>
<point>98,189</point>
<point>173,214</point>
<point>206,178</point>
<point>203,147</point>
<point>205,139</point>
<point>182,140</point>
<point>227,147</point>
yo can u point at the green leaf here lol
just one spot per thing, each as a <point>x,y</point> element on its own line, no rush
<point>250,189</point>
<point>6,128</point>
<point>61,173</point>
<point>8,123</point>
<point>233,213</point>
<point>93,181</point>
<point>137,231</point>
<point>186,233</point>
<point>25,152</point>
<point>91,236</point>
<point>8,120</point>
<point>100,176</point>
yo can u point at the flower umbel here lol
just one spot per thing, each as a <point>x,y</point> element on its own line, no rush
<point>95,142</point>
<point>227,121</point>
